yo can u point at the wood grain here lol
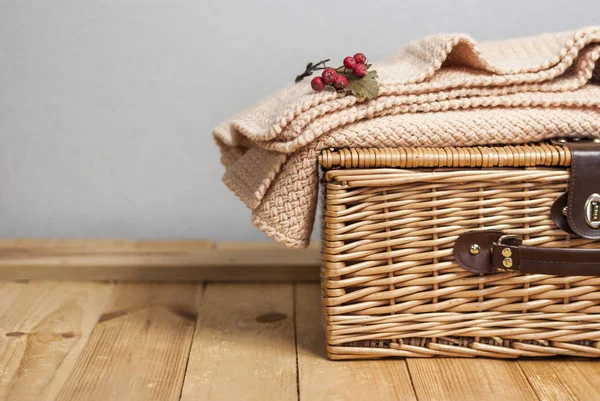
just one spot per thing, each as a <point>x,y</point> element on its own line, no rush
<point>469,379</point>
<point>244,345</point>
<point>43,328</point>
<point>20,246</point>
<point>155,261</point>
<point>562,380</point>
<point>139,348</point>
<point>322,379</point>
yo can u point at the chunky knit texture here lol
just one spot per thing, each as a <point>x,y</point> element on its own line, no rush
<point>442,90</point>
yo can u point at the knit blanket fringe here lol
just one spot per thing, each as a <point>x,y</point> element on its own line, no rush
<point>442,90</point>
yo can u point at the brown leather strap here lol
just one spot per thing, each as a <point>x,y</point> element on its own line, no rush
<point>578,210</point>
<point>584,187</point>
<point>558,211</point>
<point>491,251</point>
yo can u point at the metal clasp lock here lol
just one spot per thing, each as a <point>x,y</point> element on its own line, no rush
<point>592,211</point>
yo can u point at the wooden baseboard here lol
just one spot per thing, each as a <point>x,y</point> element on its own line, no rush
<point>186,260</point>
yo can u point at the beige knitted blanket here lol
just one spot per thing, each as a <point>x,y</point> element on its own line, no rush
<point>442,90</point>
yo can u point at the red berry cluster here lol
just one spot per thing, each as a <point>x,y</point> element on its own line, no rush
<point>357,65</point>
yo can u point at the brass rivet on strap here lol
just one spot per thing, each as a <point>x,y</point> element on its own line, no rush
<point>565,210</point>
<point>474,249</point>
<point>507,262</point>
<point>597,140</point>
<point>506,252</point>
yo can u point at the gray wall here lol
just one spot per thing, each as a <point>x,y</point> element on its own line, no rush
<point>106,107</point>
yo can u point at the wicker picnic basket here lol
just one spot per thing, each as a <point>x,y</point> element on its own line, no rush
<point>462,252</point>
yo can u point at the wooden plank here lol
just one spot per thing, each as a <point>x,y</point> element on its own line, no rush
<point>322,379</point>
<point>243,347</point>
<point>9,291</point>
<point>155,261</point>
<point>139,348</point>
<point>163,273</point>
<point>75,246</point>
<point>43,328</point>
<point>464,379</point>
<point>564,379</point>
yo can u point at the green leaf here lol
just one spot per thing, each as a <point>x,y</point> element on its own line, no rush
<point>365,87</point>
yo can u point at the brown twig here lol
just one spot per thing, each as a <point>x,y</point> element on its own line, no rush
<point>310,67</point>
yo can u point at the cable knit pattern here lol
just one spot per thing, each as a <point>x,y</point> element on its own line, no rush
<point>442,90</point>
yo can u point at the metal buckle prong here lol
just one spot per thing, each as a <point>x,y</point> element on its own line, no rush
<point>507,237</point>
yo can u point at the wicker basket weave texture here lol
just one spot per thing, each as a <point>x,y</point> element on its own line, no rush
<point>391,286</point>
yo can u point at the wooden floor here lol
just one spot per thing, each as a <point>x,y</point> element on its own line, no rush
<point>100,333</point>
<point>66,340</point>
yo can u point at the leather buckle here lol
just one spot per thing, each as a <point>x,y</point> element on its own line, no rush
<point>504,245</point>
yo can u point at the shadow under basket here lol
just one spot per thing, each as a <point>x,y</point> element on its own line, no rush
<point>391,284</point>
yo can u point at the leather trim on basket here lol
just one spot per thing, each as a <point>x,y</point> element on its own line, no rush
<point>490,251</point>
<point>482,262</point>
<point>583,184</point>
<point>554,261</point>
<point>556,211</point>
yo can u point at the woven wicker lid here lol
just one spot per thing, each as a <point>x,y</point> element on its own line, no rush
<point>531,155</point>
